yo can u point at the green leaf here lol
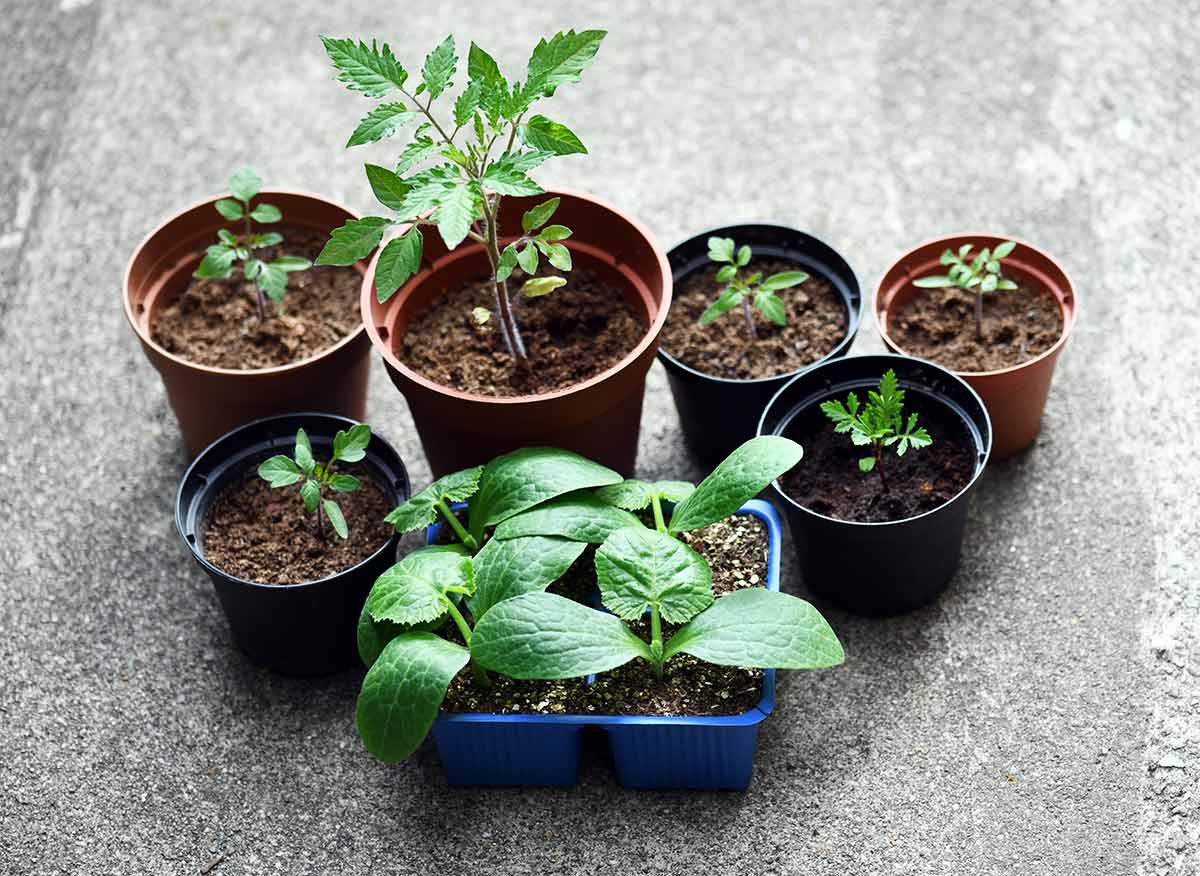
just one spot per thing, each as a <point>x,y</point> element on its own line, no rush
<point>481,315</point>
<point>963,250</point>
<point>720,249</point>
<point>253,268</point>
<point>508,261</point>
<point>334,513</point>
<point>414,153</point>
<point>310,494</point>
<point>400,259</point>
<point>417,588</point>
<point>554,233</point>
<point>505,176</point>
<point>279,471</point>
<point>755,627</point>
<point>458,208</point>
<point>933,282</point>
<point>428,188</point>
<point>577,516</point>
<point>372,70</point>
<point>1003,250</point>
<point>784,280</point>
<point>558,61</point>
<point>344,483</point>
<point>272,280</point>
<point>541,635</point>
<point>988,284</point>
<point>538,216</point>
<point>227,237</point>
<point>351,445</point>
<point>403,691</point>
<point>743,256</point>
<point>638,568</point>
<point>725,302</point>
<point>244,184</point>
<point>493,93</point>
<point>258,241</point>
<point>217,263</point>
<point>739,477</point>
<point>439,68</point>
<point>542,133</point>
<point>517,481</point>
<point>506,569</point>
<point>353,241</point>
<point>866,464</point>
<point>527,258</point>
<point>420,510</point>
<point>539,286</point>
<point>266,214</point>
<point>467,102</point>
<point>636,495</point>
<point>229,208</point>
<point>383,121</point>
<point>726,273</point>
<point>388,187</point>
<point>770,306</point>
<point>1006,285</point>
<point>374,635</point>
<point>556,254</point>
<point>303,452</point>
<point>291,264</point>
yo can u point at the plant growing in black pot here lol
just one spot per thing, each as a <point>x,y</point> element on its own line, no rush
<point>286,515</point>
<point>754,304</point>
<point>893,449</point>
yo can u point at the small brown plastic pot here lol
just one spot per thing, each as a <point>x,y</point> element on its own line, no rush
<point>598,418</point>
<point>208,402</point>
<point>1015,397</point>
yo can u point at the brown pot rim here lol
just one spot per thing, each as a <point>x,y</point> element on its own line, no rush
<point>1070,314</point>
<point>648,339</point>
<point>145,337</point>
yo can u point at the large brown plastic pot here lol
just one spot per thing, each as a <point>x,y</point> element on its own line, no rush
<point>208,402</point>
<point>1016,396</point>
<point>598,418</point>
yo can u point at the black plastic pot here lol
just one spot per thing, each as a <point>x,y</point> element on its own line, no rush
<point>880,568</point>
<point>294,629</point>
<point>717,413</point>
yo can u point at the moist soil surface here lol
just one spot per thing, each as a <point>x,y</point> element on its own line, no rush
<point>829,482</point>
<point>939,325</point>
<point>816,324</point>
<point>571,335</point>
<point>265,535</point>
<point>736,550</point>
<point>215,322</point>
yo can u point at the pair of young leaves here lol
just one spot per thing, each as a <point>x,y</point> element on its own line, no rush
<point>753,289</point>
<point>881,422</point>
<point>348,446</point>
<point>271,278</point>
<point>981,274</point>
<point>545,507</point>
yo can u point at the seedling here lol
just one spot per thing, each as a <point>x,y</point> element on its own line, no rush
<point>320,479</point>
<point>477,160</point>
<point>752,292</point>
<point>230,250</point>
<point>982,275</point>
<point>880,424</point>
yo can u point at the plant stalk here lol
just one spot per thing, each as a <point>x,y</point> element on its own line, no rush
<point>465,537</point>
<point>659,523</point>
<point>879,465</point>
<point>979,314</point>
<point>508,323</point>
<point>258,295</point>
<point>656,646</point>
<point>320,520</point>
<point>481,676</point>
<point>748,312</point>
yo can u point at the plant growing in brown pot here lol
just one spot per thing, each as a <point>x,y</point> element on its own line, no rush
<point>196,292</point>
<point>995,311</point>
<point>530,317</point>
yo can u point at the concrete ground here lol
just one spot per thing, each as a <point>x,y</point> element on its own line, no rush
<point>1042,718</point>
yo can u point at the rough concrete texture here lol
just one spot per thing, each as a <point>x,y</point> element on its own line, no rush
<point>1042,718</point>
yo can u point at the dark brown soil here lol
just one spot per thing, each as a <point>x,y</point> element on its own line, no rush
<point>575,333</point>
<point>265,535</point>
<point>215,322</point>
<point>829,482</point>
<point>816,324</point>
<point>939,324</point>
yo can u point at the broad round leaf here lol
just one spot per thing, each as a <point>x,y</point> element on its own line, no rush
<point>637,568</point>
<point>266,214</point>
<point>244,184</point>
<point>279,471</point>
<point>229,208</point>
<point>416,588</point>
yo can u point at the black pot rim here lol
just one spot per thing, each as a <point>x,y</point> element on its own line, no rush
<point>853,321</point>
<point>391,544</point>
<point>985,451</point>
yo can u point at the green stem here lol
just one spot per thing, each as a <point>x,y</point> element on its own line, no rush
<point>465,537</point>
<point>656,643</point>
<point>258,295</point>
<point>481,676</point>
<point>659,523</point>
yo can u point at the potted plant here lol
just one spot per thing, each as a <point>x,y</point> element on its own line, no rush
<point>286,516</point>
<point>894,448</point>
<point>997,312</point>
<point>529,317</point>
<point>517,628</point>
<point>228,309</point>
<point>753,305</point>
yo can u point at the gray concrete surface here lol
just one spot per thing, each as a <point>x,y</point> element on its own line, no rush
<point>1041,719</point>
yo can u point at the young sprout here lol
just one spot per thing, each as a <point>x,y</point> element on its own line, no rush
<point>348,446</point>
<point>749,291</point>
<point>981,275</point>
<point>270,278</point>
<point>482,153</point>
<point>881,423</point>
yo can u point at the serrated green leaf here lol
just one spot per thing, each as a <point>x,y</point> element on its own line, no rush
<point>577,516</point>
<point>388,187</point>
<point>217,263</point>
<point>383,121</point>
<point>370,69</point>
<point>739,478</point>
<point>539,286</point>
<point>457,209</point>
<point>506,569</point>
<point>494,93</point>
<point>373,635</point>
<point>414,153</point>
<point>403,691</point>
<point>310,494</point>
<point>428,188</point>
<point>420,509</point>
<point>467,102</point>
<point>632,495</point>
<point>400,259</point>
<point>350,445</point>
<point>756,627</point>
<point>505,176</point>
<point>266,214</point>
<point>542,635</point>
<point>244,184</point>
<point>280,471</point>
<point>538,216</point>
<point>334,513</point>
<point>353,241</point>
<point>720,249</point>
<point>559,60</point>
<point>638,568</point>
<point>783,280</point>
<point>417,588</point>
<point>542,133</point>
<point>229,208</point>
<point>438,69</point>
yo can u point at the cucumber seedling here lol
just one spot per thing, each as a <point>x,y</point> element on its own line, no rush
<point>237,250</point>
<point>753,292</point>
<point>879,424</point>
<point>981,275</point>
<point>320,479</point>
<point>483,151</point>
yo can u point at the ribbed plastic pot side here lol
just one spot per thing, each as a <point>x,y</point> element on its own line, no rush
<point>916,557</point>
<point>293,629</point>
<point>718,414</point>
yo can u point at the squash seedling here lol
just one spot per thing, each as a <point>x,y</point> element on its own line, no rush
<point>477,161</point>
<point>880,424</point>
<point>753,292</point>
<point>981,275</point>
<point>320,478</point>
<point>234,250</point>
